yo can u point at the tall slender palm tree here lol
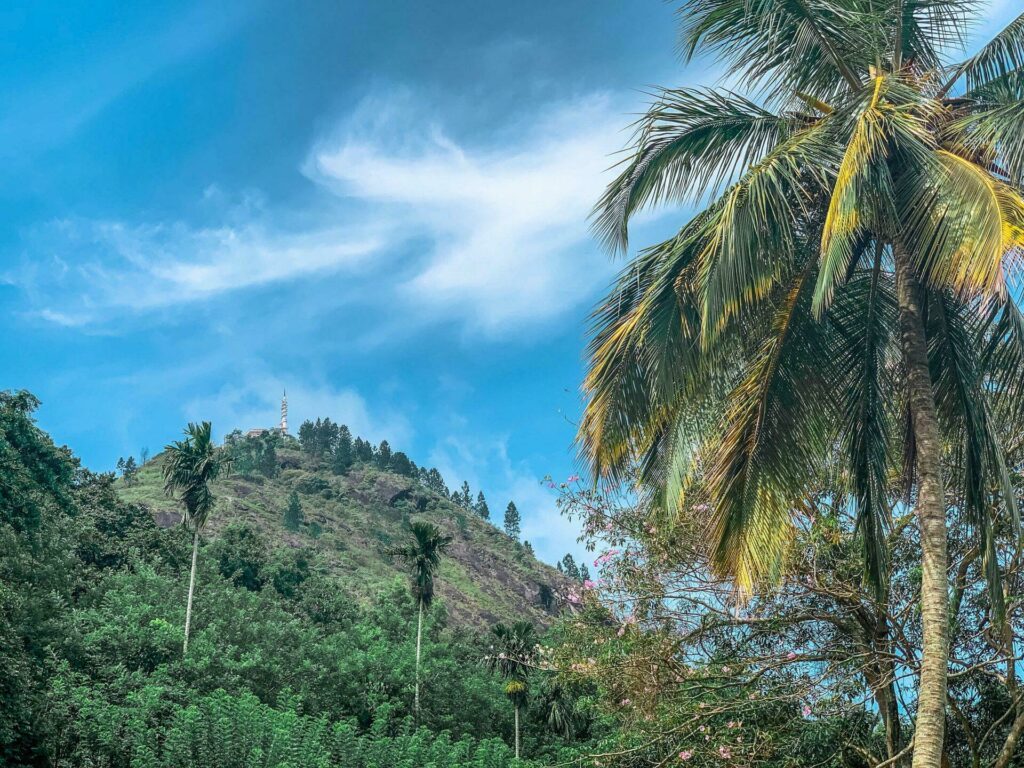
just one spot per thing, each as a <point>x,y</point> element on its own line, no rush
<point>422,557</point>
<point>191,465</point>
<point>842,290</point>
<point>514,657</point>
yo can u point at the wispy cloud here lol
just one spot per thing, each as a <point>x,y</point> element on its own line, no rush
<point>92,269</point>
<point>491,232</point>
<point>505,220</point>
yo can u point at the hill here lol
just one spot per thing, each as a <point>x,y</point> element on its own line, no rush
<point>351,519</point>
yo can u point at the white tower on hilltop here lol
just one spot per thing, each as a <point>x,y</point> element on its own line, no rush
<point>284,412</point>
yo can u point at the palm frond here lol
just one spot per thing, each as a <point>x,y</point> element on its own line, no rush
<point>191,464</point>
<point>960,224</point>
<point>862,186</point>
<point>991,130</point>
<point>962,403</point>
<point>863,319</point>
<point>687,145</point>
<point>422,557</point>
<point>1002,55</point>
<point>813,46</point>
<point>776,432</point>
<point>751,245</point>
<point>644,351</point>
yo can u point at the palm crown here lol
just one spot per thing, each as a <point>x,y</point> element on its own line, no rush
<point>760,340</point>
<point>422,558</point>
<point>515,650</point>
<point>191,465</point>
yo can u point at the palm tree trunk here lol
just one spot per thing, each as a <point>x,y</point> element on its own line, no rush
<point>930,728</point>
<point>419,639</point>
<point>191,589</point>
<point>517,731</point>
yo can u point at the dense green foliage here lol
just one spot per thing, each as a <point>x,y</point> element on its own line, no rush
<point>284,668</point>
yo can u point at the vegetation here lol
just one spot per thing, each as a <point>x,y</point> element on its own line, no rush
<point>512,520</point>
<point>422,558</point>
<point>293,514</point>
<point>350,519</point>
<point>514,656</point>
<point>284,666</point>
<point>836,320</point>
<point>191,465</point>
<point>809,673</point>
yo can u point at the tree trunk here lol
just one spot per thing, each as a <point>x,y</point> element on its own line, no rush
<point>191,590</point>
<point>419,639</point>
<point>888,705</point>
<point>1013,737</point>
<point>930,728</point>
<point>517,731</point>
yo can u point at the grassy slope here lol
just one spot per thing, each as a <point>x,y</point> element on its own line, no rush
<point>488,577</point>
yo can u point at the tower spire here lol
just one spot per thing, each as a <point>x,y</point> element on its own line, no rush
<point>284,412</point>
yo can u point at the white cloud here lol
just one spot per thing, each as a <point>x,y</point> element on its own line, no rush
<point>116,266</point>
<point>257,403</point>
<point>492,234</point>
<point>506,222</point>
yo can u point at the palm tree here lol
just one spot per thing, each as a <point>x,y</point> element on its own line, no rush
<point>842,293</point>
<point>422,557</point>
<point>514,657</point>
<point>558,708</point>
<point>191,465</point>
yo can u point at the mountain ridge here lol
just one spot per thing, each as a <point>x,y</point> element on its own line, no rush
<point>351,519</point>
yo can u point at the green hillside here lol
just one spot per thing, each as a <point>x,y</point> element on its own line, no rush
<point>351,519</point>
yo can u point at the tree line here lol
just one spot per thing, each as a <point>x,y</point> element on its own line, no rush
<point>335,444</point>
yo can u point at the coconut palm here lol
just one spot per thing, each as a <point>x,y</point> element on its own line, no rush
<point>190,466</point>
<point>841,293</point>
<point>422,557</point>
<point>514,656</point>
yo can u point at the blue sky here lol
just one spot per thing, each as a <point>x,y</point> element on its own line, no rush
<point>379,205</point>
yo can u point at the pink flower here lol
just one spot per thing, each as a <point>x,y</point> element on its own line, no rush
<point>588,584</point>
<point>730,724</point>
<point>685,754</point>
<point>573,479</point>
<point>806,711</point>
<point>702,729</point>
<point>790,655</point>
<point>726,670</point>
<point>625,702</point>
<point>724,752</point>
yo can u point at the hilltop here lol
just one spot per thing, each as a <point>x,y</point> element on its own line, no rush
<point>352,517</point>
